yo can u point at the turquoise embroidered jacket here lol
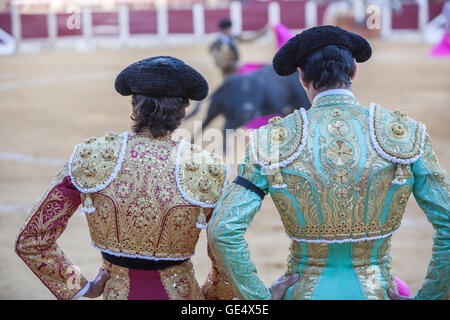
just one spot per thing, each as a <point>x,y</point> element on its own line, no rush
<point>340,175</point>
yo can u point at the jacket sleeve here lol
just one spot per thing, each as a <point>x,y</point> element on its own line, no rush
<point>431,190</point>
<point>231,218</point>
<point>36,244</point>
<point>216,286</point>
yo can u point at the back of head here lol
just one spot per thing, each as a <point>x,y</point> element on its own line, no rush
<point>159,115</point>
<point>325,54</point>
<point>160,87</point>
<point>329,67</point>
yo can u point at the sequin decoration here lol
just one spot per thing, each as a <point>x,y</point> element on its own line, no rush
<point>180,283</point>
<point>201,176</point>
<point>142,213</point>
<point>118,285</point>
<point>95,162</point>
<point>396,137</point>
<point>36,243</point>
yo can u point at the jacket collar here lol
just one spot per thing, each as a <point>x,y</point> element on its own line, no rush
<point>333,97</point>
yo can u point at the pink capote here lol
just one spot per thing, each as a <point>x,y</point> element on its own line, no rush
<point>282,33</point>
<point>249,67</point>
<point>402,287</point>
<point>442,49</point>
<point>257,122</point>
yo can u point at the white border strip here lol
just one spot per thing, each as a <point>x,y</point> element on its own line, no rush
<point>344,240</point>
<point>293,156</point>
<point>201,226</point>
<point>114,173</point>
<point>399,182</point>
<point>138,256</point>
<point>177,179</point>
<point>381,152</point>
<point>88,210</point>
<point>279,186</point>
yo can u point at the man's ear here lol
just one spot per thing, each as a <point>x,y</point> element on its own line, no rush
<point>301,77</point>
<point>355,68</point>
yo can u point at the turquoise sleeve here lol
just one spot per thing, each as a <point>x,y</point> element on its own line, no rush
<point>231,218</point>
<point>431,190</point>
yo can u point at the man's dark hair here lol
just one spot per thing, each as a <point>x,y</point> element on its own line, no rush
<point>329,66</point>
<point>224,23</point>
<point>159,115</point>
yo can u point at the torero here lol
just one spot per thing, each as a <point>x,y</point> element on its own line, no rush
<point>146,197</point>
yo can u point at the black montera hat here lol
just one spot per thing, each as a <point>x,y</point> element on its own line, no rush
<point>162,76</point>
<point>296,50</point>
<point>224,23</point>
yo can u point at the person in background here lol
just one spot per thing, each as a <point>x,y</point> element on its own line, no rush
<point>224,49</point>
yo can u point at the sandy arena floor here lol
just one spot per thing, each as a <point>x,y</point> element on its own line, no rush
<point>53,101</point>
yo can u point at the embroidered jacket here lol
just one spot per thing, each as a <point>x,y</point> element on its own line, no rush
<point>143,197</point>
<point>340,176</point>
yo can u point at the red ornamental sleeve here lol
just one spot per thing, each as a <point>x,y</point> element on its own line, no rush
<point>36,244</point>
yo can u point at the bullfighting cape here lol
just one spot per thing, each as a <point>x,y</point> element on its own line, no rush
<point>340,175</point>
<point>144,198</point>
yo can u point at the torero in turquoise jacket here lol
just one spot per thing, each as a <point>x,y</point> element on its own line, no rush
<point>340,175</point>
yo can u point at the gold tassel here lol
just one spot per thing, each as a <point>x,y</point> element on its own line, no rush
<point>201,220</point>
<point>88,205</point>
<point>399,174</point>
<point>278,178</point>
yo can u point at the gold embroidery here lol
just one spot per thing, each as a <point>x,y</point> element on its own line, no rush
<point>384,261</point>
<point>216,286</point>
<point>397,135</point>
<point>366,270</point>
<point>142,212</point>
<point>275,119</point>
<point>180,283</point>
<point>95,160</point>
<point>201,175</point>
<point>41,230</point>
<point>337,199</point>
<point>431,162</point>
<point>397,205</point>
<point>279,140</point>
<point>118,285</point>
<point>311,272</point>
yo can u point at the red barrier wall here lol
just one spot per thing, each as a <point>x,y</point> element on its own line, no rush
<point>434,9</point>
<point>180,21</point>
<point>34,26</point>
<point>408,18</point>
<point>143,22</point>
<point>254,16</point>
<point>321,7</point>
<point>212,18</point>
<point>293,14</point>
<point>105,23</point>
<point>63,30</point>
<point>5,22</point>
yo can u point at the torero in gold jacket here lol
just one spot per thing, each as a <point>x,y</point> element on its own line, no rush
<point>146,200</point>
